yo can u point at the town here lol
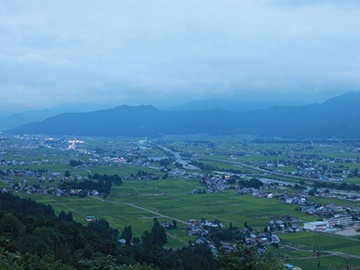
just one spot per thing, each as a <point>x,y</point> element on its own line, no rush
<point>317,183</point>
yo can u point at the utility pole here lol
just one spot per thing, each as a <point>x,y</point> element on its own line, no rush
<point>317,252</point>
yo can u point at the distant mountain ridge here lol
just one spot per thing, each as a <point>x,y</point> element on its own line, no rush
<point>230,105</point>
<point>15,120</point>
<point>338,117</point>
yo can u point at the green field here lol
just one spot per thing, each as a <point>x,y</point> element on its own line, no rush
<point>326,262</point>
<point>171,198</point>
<point>326,201</point>
<point>323,242</point>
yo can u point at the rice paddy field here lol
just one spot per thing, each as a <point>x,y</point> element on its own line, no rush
<point>171,199</point>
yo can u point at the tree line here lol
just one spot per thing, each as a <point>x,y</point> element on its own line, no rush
<point>339,186</point>
<point>207,167</point>
<point>99,182</point>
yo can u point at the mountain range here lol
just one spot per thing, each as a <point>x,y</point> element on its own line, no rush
<point>18,119</point>
<point>338,117</point>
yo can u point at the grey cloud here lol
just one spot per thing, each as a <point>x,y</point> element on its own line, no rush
<point>121,51</point>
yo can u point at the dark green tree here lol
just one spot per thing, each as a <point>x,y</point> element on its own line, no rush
<point>10,225</point>
<point>245,257</point>
<point>158,234</point>
<point>127,235</point>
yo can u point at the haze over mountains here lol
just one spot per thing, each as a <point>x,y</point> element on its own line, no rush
<point>338,117</point>
<point>21,118</point>
<point>239,105</point>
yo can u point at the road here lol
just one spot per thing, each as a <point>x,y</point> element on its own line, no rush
<point>328,253</point>
<point>155,212</point>
<point>143,209</point>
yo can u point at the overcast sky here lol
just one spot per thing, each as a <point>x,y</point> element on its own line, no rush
<point>151,52</point>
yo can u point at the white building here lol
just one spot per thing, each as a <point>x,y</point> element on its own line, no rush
<point>316,226</point>
<point>340,220</point>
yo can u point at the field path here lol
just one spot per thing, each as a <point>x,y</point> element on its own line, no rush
<point>190,184</point>
<point>142,208</point>
<point>329,253</point>
<point>155,213</point>
<point>177,238</point>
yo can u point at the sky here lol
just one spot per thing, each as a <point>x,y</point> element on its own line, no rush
<point>158,52</point>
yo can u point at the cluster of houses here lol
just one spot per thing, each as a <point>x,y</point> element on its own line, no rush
<point>203,228</point>
<point>34,182</point>
<point>169,225</point>
<point>333,215</point>
<point>310,166</point>
<point>297,198</point>
<point>314,209</point>
<point>283,223</point>
<point>261,193</point>
<point>217,183</point>
<point>93,156</point>
<point>260,239</point>
<point>25,187</point>
<point>73,192</point>
<point>39,174</point>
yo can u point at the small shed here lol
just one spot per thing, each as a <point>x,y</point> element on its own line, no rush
<point>90,218</point>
